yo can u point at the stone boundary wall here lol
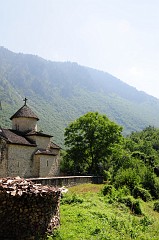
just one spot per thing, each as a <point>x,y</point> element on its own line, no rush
<point>27,210</point>
<point>67,181</point>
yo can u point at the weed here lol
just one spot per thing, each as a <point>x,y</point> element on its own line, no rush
<point>89,216</point>
<point>71,199</point>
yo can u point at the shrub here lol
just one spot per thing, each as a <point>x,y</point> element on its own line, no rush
<point>137,208</point>
<point>106,175</point>
<point>156,206</point>
<point>142,193</point>
<point>156,188</point>
<point>108,189</point>
<point>114,194</point>
<point>151,183</point>
<point>127,200</point>
<point>132,203</point>
<point>148,180</point>
<point>127,177</point>
<point>122,192</point>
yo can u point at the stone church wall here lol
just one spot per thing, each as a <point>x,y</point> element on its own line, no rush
<point>24,124</point>
<point>49,165</point>
<point>36,166</point>
<point>55,151</point>
<point>41,142</point>
<point>20,160</point>
<point>3,158</point>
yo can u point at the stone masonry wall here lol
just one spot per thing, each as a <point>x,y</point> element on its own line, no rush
<point>24,124</point>
<point>3,157</point>
<point>19,160</point>
<point>27,210</point>
<point>68,181</point>
<point>49,166</point>
<point>41,142</point>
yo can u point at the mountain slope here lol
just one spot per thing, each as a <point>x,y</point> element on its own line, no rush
<point>60,92</point>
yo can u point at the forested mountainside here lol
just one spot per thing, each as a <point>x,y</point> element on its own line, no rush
<point>60,92</point>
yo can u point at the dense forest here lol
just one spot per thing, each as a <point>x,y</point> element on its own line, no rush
<point>59,92</point>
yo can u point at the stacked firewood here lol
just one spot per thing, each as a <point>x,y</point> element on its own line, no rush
<point>27,210</point>
<point>19,186</point>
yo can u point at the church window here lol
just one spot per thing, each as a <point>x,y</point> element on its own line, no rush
<point>17,127</point>
<point>47,163</point>
<point>2,152</point>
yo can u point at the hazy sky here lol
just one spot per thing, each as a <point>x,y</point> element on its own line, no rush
<point>117,36</point>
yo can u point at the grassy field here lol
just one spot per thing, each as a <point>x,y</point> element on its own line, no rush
<point>87,214</point>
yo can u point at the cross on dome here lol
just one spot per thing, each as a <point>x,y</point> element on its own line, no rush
<point>25,100</point>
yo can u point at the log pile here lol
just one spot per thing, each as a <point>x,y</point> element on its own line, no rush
<point>27,210</point>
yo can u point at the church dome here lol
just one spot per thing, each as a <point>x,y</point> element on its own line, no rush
<point>26,112</point>
<point>24,119</point>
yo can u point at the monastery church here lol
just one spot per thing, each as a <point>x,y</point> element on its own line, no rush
<point>25,151</point>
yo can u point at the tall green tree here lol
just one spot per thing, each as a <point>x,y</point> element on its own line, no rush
<point>89,141</point>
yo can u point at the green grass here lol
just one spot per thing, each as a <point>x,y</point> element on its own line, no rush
<point>87,214</point>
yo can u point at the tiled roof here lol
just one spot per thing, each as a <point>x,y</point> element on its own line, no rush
<point>44,152</point>
<point>15,137</point>
<point>25,111</point>
<point>32,133</point>
<point>54,146</point>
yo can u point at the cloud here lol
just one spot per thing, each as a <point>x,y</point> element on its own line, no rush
<point>124,26</point>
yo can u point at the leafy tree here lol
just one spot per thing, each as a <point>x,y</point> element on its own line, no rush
<point>127,177</point>
<point>145,145</point>
<point>89,141</point>
<point>136,164</point>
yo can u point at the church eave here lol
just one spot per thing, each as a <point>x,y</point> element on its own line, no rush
<point>45,153</point>
<point>38,134</point>
<point>22,144</point>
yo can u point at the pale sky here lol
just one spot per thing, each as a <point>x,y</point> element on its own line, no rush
<point>120,37</point>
